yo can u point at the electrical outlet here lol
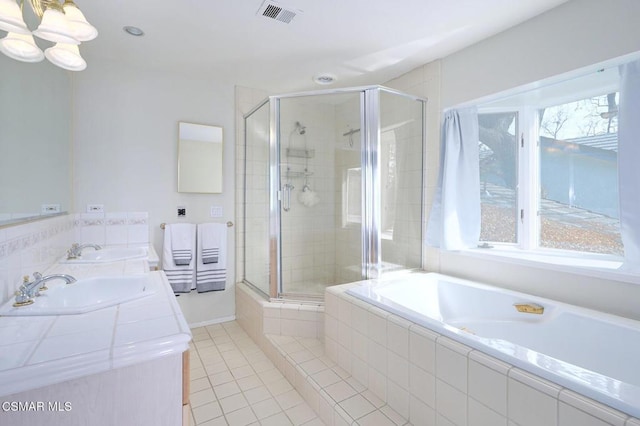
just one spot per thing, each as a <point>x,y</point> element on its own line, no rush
<point>95,208</point>
<point>182,211</point>
<point>216,211</point>
<point>50,208</point>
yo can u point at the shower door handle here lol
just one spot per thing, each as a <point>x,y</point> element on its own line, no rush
<point>286,197</point>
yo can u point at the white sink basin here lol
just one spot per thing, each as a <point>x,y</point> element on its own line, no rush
<point>113,254</point>
<point>84,295</point>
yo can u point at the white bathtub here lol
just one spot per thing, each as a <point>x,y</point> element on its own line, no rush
<point>589,352</point>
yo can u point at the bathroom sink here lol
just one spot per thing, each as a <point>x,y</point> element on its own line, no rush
<point>112,254</point>
<point>84,295</point>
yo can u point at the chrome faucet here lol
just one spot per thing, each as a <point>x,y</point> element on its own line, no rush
<point>76,250</point>
<point>29,290</point>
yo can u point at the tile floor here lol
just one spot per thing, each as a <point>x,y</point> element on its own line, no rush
<point>234,383</point>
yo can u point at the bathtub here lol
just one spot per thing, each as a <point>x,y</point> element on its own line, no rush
<point>589,352</point>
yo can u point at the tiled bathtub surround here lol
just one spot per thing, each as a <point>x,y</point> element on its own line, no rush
<point>433,380</point>
<point>335,395</point>
<point>259,317</point>
<point>31,247</point>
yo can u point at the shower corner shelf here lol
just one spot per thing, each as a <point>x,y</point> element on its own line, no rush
<point>301,153</point>
<point>292,174</point>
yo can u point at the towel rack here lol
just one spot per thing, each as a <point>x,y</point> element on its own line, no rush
<point>163,225</point>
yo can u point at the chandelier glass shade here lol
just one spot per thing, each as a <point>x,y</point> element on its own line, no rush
<point>62,24</point>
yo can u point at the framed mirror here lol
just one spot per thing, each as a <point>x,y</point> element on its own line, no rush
<point>199,158</point>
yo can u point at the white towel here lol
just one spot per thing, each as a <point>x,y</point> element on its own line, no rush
<point>180,236</point>
<point>211,272</point>
<point>181,243</point>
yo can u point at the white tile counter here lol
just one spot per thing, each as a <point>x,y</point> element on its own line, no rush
<point>37,351</point>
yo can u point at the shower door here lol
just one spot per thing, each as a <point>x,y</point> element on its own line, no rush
<point>320,187</point>
<point>256,230</point>
<point>333,189</point>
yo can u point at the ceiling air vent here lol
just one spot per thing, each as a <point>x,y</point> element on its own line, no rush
<point>279,12</point>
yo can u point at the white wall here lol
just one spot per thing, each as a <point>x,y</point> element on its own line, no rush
<point>574,35</point>
<point>125,155</point>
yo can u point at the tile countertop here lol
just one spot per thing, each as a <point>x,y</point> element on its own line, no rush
<point>37,351</point>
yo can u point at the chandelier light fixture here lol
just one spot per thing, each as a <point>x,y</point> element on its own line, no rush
<point>63,24</point>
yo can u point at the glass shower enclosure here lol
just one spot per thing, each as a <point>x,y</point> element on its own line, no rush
<point>332,189</point>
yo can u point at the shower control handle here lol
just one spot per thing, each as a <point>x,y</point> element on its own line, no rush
<point>286,197</point>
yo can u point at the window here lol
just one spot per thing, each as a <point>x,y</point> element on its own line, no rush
<point>351,196</point>
<point>498,176</point>
<point>549,176</point>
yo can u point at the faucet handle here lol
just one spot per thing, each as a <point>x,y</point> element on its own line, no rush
<point>38,276</point>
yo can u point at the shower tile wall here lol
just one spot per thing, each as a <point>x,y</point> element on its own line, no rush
<point>308,232</point>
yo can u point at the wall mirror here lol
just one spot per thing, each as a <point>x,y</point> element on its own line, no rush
<point>35,140</point>
<point>199,158</point>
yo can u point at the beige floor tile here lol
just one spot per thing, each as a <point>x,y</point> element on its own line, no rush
<point>241,372</point>
<point>227,389</point>
<point>202,397</point>
<point>300,414</point>
<point>233,403</point>
<point>279,419</point>
<point>216,367</point>
<point>226,346</point>
<point>279,386</point>
<point>289,399</point>
<point>198,385</point>
<point>206,412</point>
<point>270,375</point>
<point>257,394</point>
<point>261,365</point>
<point>221,378</point>
<point>197,373</point>
<point>220,421</point>
<point>233,383</point>
<point>315,422</point>
<point>241,417</point>
<point>249,382</point>
<point>266,408</point>
<point>235,361</point>
<point>205,343</point>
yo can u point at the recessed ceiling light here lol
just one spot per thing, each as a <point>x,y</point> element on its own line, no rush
<point>134,31</point>
<point>324,79</point>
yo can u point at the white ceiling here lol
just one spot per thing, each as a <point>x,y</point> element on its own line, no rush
<point>359,41</point>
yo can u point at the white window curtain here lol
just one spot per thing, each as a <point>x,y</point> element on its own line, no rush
<point>628,160</point>
<point>454,222</point>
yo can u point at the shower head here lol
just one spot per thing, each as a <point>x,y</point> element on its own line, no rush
<point>300,128</point>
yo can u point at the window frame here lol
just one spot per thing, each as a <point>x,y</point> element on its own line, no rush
<point>527,246</point>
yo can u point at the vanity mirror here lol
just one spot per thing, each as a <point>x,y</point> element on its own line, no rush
<point>35,140</point>
<point>199,158</point>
